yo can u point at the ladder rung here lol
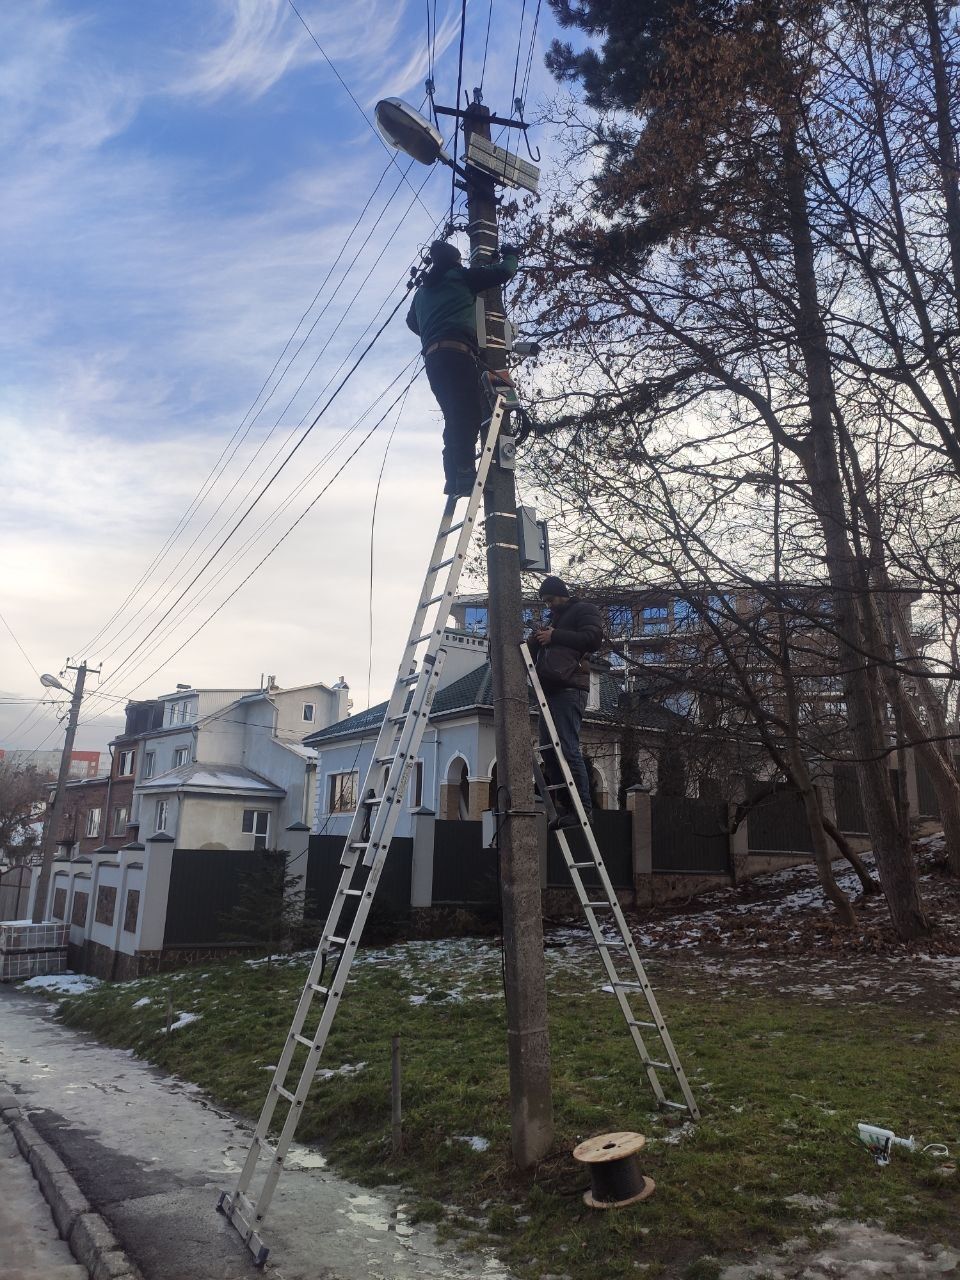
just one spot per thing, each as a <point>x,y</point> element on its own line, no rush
<point>648,1026</point>
<point>441,564</point>
<point>675,1106</point>
<point>658,1066</point>
<point>264,1145</point>
<point>285,1093</point>
<point>307,1044</point>
<point>629,986</point>
<point>613,946</point>
<point>454,528</point>
<point>361,844</point>
<point>321,991</point>
<point>605,903</point>
<point>425,604</point>
<point>427,635</point>
<point>558,786</point>
<point>398,719</point>
<point>332,937</point>
<point>412,678</point>
<point>386,759</point>
<point>583,866</point>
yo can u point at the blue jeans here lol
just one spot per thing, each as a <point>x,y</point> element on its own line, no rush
<point>567,707</point>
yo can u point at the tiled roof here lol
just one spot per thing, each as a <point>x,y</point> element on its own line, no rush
<point>474,692</point>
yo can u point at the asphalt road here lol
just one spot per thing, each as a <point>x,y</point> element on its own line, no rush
<point>151,1155</point>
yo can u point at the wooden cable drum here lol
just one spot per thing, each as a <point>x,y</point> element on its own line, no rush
<point>615,1177</point>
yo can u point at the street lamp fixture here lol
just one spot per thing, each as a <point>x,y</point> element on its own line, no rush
<point>403,127</point>
<point>51,682</point>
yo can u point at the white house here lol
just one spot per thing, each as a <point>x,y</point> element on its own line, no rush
<point>455,775</point>
<point>228,770</point>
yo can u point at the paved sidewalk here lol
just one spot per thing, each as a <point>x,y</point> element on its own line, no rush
<point>151,1155</point>
<point>31,1247</point>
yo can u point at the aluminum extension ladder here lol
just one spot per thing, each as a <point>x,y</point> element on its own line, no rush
<point>602,898</point>
<point>364,853</point>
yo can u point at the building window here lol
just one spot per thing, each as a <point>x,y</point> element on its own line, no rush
<point>120,820</point>
<point>149,760</point>
<point>655,619</point>
<point>309,709</point>
<point>181,756</point>
<point>256,823</point>
<point>162,811</point>
<point>343,792</point>
<point>125,764</point>
<point>620,621</point>
<point>93,823</point>
<point>416,785</point>
<point>475,619</point>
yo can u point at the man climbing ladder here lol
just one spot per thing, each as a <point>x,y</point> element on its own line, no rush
<point>444,314</point>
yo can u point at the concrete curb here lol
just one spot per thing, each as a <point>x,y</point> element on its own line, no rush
<point>91,1241</point>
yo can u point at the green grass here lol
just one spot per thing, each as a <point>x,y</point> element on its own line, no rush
<point>781,1085</point>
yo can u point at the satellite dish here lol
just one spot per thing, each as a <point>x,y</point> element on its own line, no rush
<point>406,129</point>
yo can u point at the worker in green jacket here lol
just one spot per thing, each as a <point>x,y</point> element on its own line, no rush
<point>443,313</point>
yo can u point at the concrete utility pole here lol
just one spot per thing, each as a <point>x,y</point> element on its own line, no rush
<point>53,815</point>
<point>528,1041</point>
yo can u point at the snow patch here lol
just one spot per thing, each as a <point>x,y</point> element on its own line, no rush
<point>141,1003</point>
<point>63,984</point>
<point>183,1020</point>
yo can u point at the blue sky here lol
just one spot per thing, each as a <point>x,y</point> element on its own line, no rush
<point>179,179</point>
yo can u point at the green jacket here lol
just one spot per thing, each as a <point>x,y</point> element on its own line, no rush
<point>447,309</point>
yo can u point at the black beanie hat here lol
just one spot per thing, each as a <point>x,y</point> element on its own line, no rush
<point>553,587</point>
<point>443,254</point>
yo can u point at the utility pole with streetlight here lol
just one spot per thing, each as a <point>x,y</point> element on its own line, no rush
<point>531,1108</point>
<point>53,813</point>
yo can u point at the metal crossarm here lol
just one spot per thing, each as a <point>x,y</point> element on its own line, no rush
<point>619,954</point>
<point>364,854</point>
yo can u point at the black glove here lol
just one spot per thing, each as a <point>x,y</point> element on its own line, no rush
<point>506,250</point>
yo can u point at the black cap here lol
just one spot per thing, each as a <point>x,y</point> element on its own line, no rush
<point>553,587</point>
<point>443,254</point>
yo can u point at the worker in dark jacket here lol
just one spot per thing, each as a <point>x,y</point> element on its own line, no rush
<point>443,313</point>
<point>559,651</point>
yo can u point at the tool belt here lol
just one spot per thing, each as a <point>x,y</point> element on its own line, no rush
<point>449,345</point>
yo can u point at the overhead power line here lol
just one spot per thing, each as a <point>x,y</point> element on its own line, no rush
<point>158,638</point>
<point>280,540</point>
<point>372,126</point>
<point>19,646</point>
<point>240,434</point>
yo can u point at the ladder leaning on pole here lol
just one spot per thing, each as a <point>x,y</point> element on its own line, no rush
<point>364,854</point>
<point>627,977</point>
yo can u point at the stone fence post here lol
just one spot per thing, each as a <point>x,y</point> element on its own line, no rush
<point>639,804</point>
<point>421,870</point>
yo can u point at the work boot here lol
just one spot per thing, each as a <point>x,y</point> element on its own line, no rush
<point>563,820</point>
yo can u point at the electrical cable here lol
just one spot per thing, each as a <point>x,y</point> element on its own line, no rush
<point>19,646</point>
<point>145,620</point>
<point>157,640</point>
<point>516,65</point>
<point>529,67</point>
<point>456,126</point>
<point>224,460</point>
<point>486,45</point>
<point>373,524</point>
<point>284,537</point>
<point>291,453</point>
<point>353,99</point>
